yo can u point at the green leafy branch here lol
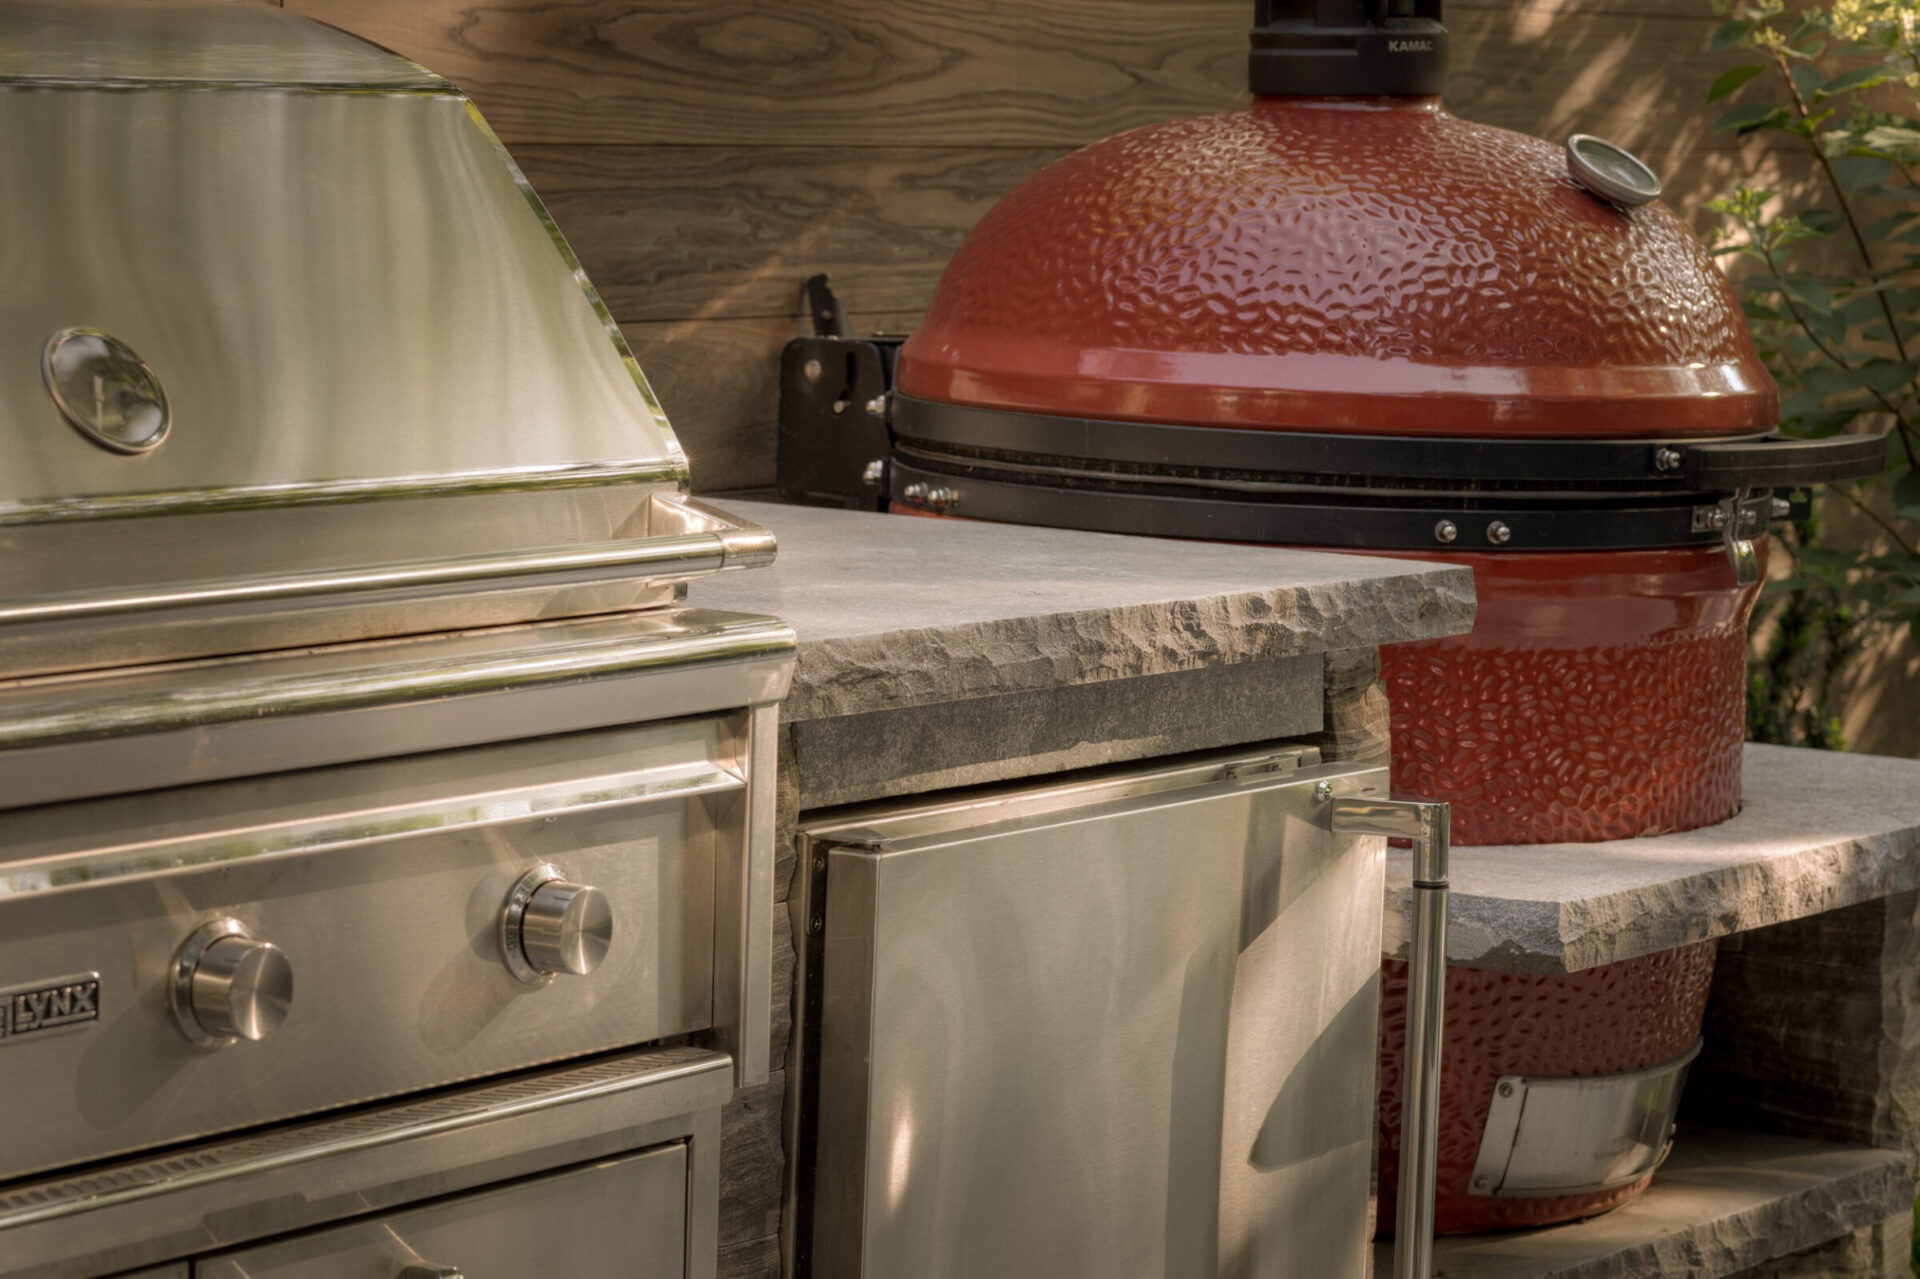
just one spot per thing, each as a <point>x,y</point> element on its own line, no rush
<point>1842,341</point>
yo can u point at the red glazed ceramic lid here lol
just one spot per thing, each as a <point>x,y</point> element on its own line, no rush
<point>1339,264</point>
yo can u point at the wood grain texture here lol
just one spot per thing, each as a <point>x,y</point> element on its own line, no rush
<point>848,72</point>
<point>1014,73</point>
<point>716,233</point>
<point>719,383</point>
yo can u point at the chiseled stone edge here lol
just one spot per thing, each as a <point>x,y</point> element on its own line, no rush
<point>1820,830</point>
<point>855,758</point>
<point>1723,1204</point>
<point>911,667</point>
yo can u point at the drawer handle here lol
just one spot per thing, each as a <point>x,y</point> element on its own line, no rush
<point>427,1270</point>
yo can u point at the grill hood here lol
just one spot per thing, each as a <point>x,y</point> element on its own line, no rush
<point>291,353</point>
<point>1339,264</point>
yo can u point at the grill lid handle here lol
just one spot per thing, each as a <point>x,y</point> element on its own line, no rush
<point>1779,461</point>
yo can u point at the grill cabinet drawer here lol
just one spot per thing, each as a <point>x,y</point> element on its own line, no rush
<point>621,1219</point>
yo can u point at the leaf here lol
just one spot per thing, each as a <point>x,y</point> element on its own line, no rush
<point>1896,294</point>
<point>1810,293</point>
<point>1889,377</point>
<point>1809,82</point>
<point>1823,221</point>
<point>1805,23</point>
<point>1831,328</point>
<point>1859,78</point>
<point>1906,496</point>
<point>1882,228</point>
<point>1859,172</point>
<point>1731,79</point>
<point>1729,34</point>
<point>1898,140</point>
<point>1838,420</point>
<point>1803,126</point>
<point>1792,230</point>
<point>1862,306</point>
<point>1800,404</point>
<point>1828,379</point>
<point>1749,116</point>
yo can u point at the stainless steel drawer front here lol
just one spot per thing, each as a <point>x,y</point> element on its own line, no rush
<point>1126,1027</point>
<point>241,1190</point>
<point>382,885</point>
<point>622,1219</point>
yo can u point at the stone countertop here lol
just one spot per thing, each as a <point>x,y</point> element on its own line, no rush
<point>1726,1202</point>
<point>893,611</point>
<point>1818,830</point>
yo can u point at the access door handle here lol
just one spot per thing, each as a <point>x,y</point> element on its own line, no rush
<point>1428,824</point>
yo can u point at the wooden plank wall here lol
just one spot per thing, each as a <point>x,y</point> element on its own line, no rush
<point>703,156</point>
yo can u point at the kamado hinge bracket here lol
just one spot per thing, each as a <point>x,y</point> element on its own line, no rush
<point>833,445</point>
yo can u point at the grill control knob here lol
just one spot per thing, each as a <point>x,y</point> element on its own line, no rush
<point>551,926</point>
<point>228,986</point>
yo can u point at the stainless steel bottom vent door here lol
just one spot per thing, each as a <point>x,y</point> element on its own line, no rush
<point>622,1219</point>
<point>1126,1028</point>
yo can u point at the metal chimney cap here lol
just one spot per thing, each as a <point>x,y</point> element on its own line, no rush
<point>1347,48</point>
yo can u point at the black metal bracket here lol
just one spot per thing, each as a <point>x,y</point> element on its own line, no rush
<point>833,446</point>
<point>823,307</point>
<point>1780,461</point>
<point>1501,523</point>
<point>1379,462</point>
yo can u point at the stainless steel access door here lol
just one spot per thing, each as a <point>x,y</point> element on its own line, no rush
<point>1117,1027</point>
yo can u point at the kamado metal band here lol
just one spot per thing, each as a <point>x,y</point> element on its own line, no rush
<point>980,492</point>
<point>1667,466</point>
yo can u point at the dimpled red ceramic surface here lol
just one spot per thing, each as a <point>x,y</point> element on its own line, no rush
<point>1338,265</point>
<point>1600,695</point>
<point>1640,1012</point>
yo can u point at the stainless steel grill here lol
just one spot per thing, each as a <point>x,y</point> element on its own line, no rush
<point>376,823</point>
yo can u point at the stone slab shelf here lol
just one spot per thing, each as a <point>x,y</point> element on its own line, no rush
<point>1726,1203</point>
<point>1817,831</point>
<point>894,612</point>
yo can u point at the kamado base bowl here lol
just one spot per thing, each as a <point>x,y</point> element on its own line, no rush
<point>1600,695</point>
<point>1618,1017</point>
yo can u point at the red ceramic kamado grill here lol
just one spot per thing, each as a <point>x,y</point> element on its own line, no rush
<point>1342,318</point>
